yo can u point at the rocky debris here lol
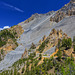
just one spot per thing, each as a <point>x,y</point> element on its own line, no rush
<point>67,25</point>
<point>36,15</point>
<point>29,19</point>
<point>58,17</point>
<point>67,10</point>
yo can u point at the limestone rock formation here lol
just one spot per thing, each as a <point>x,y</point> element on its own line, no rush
<point>67,10</point>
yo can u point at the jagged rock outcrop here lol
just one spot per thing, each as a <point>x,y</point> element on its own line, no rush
<point>36,15</point>
<point>66,10</point>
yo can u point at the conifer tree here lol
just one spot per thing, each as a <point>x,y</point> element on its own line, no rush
<point>40,56</point>
<point>59,54</point>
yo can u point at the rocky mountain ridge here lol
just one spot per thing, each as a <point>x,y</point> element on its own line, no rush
<point>36,27</point>
<point>66,10</point>
<point>36,15</point>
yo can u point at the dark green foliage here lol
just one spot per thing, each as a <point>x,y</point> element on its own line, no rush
<point>41,48</point>
<point>11,72</point>
<point>74,48</point>
<point>67,43</point>
<point>40,56</point>
<point>49,65</point>
<point>2,51</point>
<point>67,67</point>
<point>31,56</point>
<point>62,67</point>
<point>19,62</point>
<point>33,46</point>
<point>27,64</point>
<point>5,35</point>
<point>64,44</point>
<point>0,58</point>
<point>36,62</point>
<point>74,39</point>
<point>59,54</point>
<point>23,69</point>
<point>18,73</point>
<point>72,58</point>
<point>2,43</point>
<point>59,44</point>
<point>15,71</point>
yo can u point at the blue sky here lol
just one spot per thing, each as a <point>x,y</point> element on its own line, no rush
<point>13,12</point>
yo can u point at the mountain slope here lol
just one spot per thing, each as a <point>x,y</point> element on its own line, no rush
<point>36,27</point>
<point>67,25</point>
<point>66,10</point>
<point>33,32</point>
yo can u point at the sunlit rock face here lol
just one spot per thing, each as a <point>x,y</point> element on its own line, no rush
<point>34,30</point>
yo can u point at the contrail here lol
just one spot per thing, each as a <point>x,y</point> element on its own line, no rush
<point>11,6</point>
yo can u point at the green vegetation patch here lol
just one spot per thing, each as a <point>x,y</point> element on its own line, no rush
<point>5,35</point>
<point>42,46</point>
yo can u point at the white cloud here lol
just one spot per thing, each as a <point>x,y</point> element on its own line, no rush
<point>5,27</point>
<point>12,7</point>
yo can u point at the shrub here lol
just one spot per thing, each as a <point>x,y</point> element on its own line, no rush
<point>67,43</point>
<point>74,48</point>
<point>23,70</point>
<point>59,54</point>
<point>40,56</point>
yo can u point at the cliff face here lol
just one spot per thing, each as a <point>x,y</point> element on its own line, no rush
<point>66,10</point>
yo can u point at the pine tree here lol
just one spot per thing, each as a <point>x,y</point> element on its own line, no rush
<point>40,56</point>
<point>1,51</point>
<point>72,58</point>
<point>23,70</point>
<point>18,73</point>
<point>15,71</point>
<point>59,54</point>
<point>74,48</point>
<point>11,72</point>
